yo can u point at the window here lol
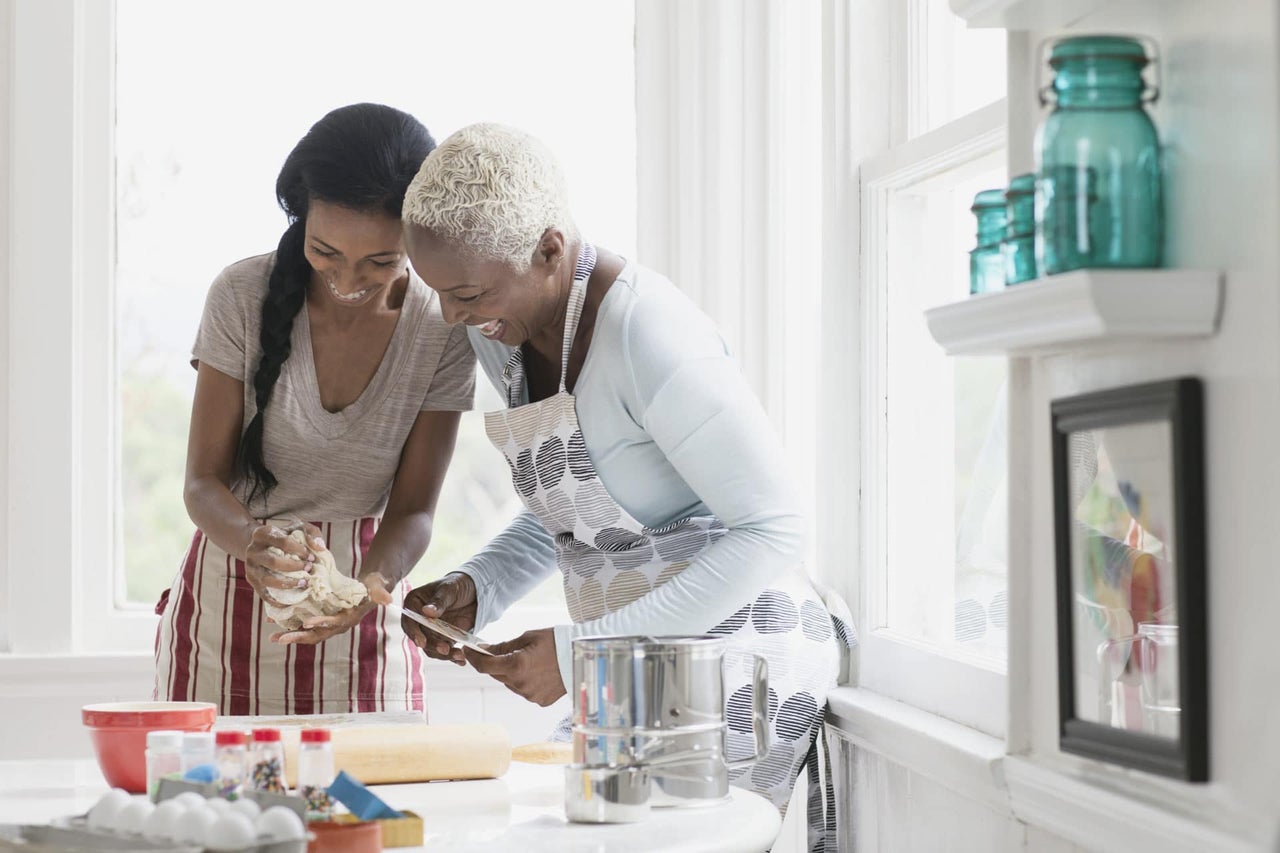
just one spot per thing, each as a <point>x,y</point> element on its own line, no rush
<point>934,490</point>
<point>201,129</point>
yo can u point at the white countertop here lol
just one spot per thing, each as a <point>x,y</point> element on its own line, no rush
<point>522,811</point>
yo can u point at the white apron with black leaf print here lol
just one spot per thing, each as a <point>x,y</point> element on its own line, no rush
<point>609,559</point>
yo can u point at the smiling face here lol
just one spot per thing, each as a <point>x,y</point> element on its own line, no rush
<point>357,254</point>
<point>506,305</point>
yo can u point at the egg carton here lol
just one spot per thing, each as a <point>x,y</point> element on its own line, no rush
<point>78,833</point>
<point>170,788</point>
<point>76,837</point>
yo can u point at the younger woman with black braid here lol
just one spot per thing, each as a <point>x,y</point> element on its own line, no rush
<point>329,390</point>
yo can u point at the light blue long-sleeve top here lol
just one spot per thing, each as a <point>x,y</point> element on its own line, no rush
<point>673,431</point>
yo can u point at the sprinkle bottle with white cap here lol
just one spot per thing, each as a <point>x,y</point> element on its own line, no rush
<point>197,751</point>
<point>164,758</point>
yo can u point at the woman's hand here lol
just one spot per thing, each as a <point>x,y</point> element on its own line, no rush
<point>320,628</point>
<point>526,665</point>
<point>451,599</point>
<point>264,568</point>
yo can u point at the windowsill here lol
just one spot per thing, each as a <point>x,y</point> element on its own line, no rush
<point>1105,807</point>
<point>1094,805</point>
<point>68,675</point>
<point>961,758</point>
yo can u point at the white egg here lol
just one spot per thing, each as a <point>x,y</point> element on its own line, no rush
<point>230,832</point>
<point>164,823</point>
<point>280,823</point>
<point>195,826</point>
<point>248,808</point>
<point>219,806</point>
<point>131,817</point>
<point>189,799</point>
<point>104,813</point>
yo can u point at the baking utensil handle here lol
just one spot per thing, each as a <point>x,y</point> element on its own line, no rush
<point>759,715</point>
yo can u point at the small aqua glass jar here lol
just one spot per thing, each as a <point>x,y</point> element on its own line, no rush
<point>986,264</point>
<point>1019,245</point>
<point>1099,199</point>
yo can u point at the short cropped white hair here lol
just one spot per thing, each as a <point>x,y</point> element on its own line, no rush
<point>492,191</point>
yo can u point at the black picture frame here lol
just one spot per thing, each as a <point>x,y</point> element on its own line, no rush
<point>1179,402</point>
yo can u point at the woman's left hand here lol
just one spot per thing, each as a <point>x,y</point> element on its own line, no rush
<point>526,665</point>
<point>317,629</point>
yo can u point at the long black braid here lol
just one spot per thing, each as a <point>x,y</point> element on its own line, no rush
<point>362,157</point>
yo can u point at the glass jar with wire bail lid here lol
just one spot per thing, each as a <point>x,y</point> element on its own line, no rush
<point>986,265</point>
<point>1099,199</point>
<point>1019,245</point>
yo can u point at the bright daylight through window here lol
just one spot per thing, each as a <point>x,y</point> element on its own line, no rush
<point>939,578</point>
<point>200,136</point>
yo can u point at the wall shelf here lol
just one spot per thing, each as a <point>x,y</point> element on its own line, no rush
<point>1082,308</point>
<point>1023,14</point>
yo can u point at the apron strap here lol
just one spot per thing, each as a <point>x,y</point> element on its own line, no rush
<point>573,312</point>
<point>823,835</point>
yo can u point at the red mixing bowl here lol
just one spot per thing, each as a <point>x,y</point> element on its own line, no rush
<point>119,734</point>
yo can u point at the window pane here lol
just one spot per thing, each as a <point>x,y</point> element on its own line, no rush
<point>202,127</point>
<point>955,70</point>
<point>946,484</point>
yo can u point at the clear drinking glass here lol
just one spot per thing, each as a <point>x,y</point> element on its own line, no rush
<point>1161,698</point>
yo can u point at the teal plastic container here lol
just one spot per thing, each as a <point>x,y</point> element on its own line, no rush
<point>986,262</point>
<point>1099,200</point>
<point>1019,245</point>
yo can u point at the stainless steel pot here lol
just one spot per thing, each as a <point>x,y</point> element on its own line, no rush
<point>606,794</point>
<point>658,703</point>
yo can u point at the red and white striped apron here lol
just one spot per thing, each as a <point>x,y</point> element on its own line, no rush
<point>214,642</point>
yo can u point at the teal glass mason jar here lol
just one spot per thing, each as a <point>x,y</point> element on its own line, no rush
<point>1019,245</point>
<point>1098,201</point>
<point>986,264</point>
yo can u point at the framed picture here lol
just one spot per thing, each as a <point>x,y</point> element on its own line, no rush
<point>1128,480</point>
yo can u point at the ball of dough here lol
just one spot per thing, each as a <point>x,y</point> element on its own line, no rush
<point>328,593</point>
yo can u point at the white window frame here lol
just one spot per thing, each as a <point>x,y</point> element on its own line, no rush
<point>63,495</point>
<point>944,680</point>
<point>61,588</point>
<point>878,148</point>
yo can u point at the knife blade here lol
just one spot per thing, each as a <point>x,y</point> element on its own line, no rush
<point>444,629</point>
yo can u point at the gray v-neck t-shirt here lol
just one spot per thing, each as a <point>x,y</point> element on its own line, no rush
<point>334,466</point>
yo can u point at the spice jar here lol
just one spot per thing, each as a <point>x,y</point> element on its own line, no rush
<point>1019,245</point>
<point>315,773</point>
<point>232,759</point>
<point>986,265</point>
<point>266,762</point>
<point>197,750</point>
<point>164,758</point>
<point>1099,200</point>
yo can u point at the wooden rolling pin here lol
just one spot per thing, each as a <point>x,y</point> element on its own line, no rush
<point>381,755</point>
<point>543,752</point>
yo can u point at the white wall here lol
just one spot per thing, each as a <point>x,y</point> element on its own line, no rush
<point>898,809</point>
<point>6,53</point>
<point>1218,117</point>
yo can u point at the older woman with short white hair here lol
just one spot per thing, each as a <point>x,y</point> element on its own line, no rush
<point>652,479</point>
